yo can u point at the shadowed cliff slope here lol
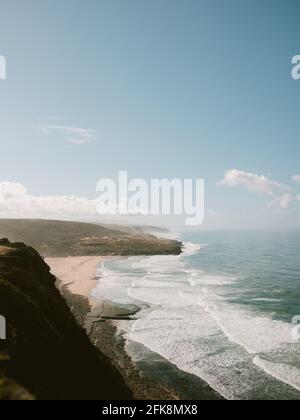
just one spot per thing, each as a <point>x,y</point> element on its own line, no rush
<point>46,354</point>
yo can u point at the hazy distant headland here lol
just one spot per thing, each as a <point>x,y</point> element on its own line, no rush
<point>61,239</point>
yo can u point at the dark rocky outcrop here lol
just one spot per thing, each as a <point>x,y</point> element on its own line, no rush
<point>46,354</point>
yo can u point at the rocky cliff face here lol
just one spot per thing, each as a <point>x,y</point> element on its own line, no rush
<point>45,355</point>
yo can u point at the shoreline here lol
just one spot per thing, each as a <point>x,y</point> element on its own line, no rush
<point>77,274</point>
<point>150,378</point>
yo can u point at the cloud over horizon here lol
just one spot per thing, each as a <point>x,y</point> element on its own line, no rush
<point>15,201</point>
<point>281,194</point>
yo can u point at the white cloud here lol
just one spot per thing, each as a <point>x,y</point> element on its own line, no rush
<point>74,135</point>
<point>296,178</point>
<point>255,183</point>
<point>10,190</point>
<point>15,201</point>
<point>259,184</point>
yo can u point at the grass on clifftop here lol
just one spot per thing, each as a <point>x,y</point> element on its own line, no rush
<point>61,239</point>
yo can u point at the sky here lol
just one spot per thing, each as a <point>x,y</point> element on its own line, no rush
<point>160,88</point>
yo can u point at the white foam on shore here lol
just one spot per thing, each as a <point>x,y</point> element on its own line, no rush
<point>257,334</point>
<point>191,323</point>
<point>190,248</point>
<point>283,371</point>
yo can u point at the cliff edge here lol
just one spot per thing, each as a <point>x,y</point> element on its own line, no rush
<point>46,355</point>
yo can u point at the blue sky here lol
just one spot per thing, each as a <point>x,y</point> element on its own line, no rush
<point>162,88</point>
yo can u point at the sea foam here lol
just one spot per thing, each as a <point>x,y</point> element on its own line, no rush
<point>186,318</point>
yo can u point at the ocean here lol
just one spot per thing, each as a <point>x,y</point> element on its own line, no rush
<point>222,311</point>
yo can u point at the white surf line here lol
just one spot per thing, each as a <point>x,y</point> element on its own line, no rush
<point>262,364</point>
<point>189,250</point>
<point>257,360</point>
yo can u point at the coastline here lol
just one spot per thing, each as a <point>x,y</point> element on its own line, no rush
<point>78,274</point>
<point>152,377</point>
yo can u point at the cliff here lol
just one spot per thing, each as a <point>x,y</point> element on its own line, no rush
<point>46,355</point>
<point>53,238</point>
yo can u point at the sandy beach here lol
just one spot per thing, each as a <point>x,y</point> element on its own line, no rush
<point>77,274</point>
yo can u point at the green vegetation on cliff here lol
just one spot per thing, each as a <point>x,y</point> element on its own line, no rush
<point>61,239</point>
